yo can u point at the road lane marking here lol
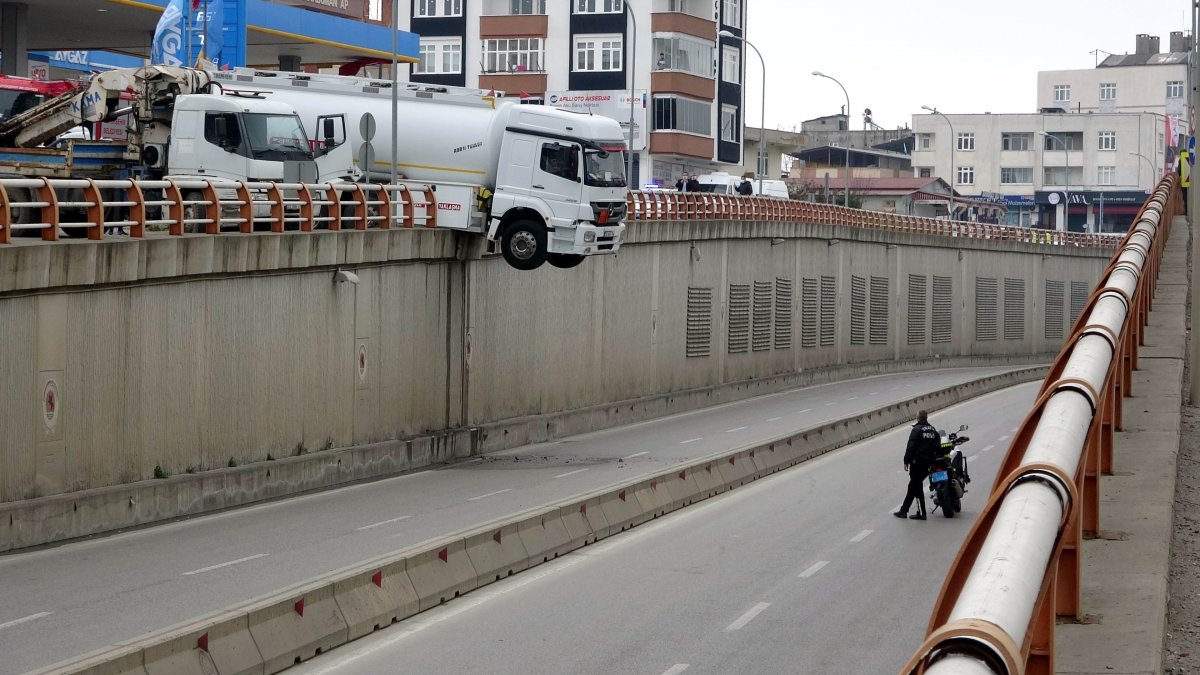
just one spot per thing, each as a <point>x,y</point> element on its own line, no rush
<point>874,393</point>
<point>814,569</point>
<point>730,431</point>
<point>691,440</point>
<point>748,616</point>
<point>570,473</point>
<point>225,564</point>
<point>774,419</point>
<point>1005,437</point>
<point>639,454</point>
<point>860,536</point>
<point>490,494</point>
<point>382,523</point>
<point>800,412</point>
<point>831,403</point>
<point>676,669</point>
<point>852,398</point>
<point>24,619</point>
<point>1013,430</point>
<point>986,449</point>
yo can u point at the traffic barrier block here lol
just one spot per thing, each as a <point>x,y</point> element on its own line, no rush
<point>576,522</point>
<point>545,537</point>
<point>496,552</point>
<point>736,469</point>
<point>122,660</point>
<point>217,644</point>
<point>442,573</point>
<point>297,627</point>
<point>594,515</point>
<point>622,510</point>
<point>774,456</point>
<point>682,488</point>
<point>653,496</point>
<point>374,598</point>
<point>708,478</point>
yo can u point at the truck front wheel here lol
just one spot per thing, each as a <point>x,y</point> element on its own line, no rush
<point>524,244</point>
<point>564,261</point>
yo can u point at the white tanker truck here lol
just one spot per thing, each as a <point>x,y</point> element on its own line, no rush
<point>547,184</point>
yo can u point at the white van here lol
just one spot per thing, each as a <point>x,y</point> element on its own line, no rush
<point>722,183</point>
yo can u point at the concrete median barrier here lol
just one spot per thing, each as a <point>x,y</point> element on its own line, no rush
<point>707,477</point>
<point>545,536</point>
<point>375,597</point>
<point>297,626</point>
<point>496,552</point>
<point>120,660</point>
<point>737,469</point>
<point>578,528</point>
<point>654,497</point>
<point>682,488</point>
<point>594,515</point>
<point>442,573</point>
<point>218,644</point>
<point>622,509</point>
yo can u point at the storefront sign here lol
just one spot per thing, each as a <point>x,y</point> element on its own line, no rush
<point>611,104</point>
<point>353,9</point>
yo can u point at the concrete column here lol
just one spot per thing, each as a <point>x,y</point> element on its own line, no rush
<point>14,19</point>
<point>289,63</point>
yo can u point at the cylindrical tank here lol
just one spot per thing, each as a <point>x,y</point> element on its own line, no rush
<point>440,140</point>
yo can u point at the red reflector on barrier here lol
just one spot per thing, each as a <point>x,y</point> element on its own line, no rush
<point>202,642</point>
<point>621,495</point>
<point>377,578</point>
<point>444,555</point>
<point>496,536</point>
<point>299,606</point>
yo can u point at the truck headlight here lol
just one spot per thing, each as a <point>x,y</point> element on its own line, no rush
<point>589,237</point>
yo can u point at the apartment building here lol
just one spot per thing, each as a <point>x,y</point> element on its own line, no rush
<point>660,66</point>
<point>1102,164</point>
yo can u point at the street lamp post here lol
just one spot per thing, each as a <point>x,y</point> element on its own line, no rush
<point>1066,179</point>
<point>846,180</point>
<point>632,89</point>
<point>953,148</point>
<point>762,124</point>
<point>1150,163</point>
<point>395,97</point>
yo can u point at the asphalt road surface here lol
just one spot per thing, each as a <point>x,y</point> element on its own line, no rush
<point>60,602</point>
<point>805,571</point>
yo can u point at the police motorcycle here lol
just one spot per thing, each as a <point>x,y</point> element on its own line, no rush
<point>948,476</point>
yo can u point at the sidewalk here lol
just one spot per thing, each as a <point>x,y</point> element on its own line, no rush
<point>1125,588</point>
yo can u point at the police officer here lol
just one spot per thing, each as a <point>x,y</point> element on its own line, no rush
<point>923,446</point>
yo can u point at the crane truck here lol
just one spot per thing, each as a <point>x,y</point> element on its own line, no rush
<point>546,185</point>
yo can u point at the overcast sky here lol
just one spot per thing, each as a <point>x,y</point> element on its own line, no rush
<point>960,56</point>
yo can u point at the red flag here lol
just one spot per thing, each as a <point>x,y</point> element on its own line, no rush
<point>195,5</point>
<point>523,94</point>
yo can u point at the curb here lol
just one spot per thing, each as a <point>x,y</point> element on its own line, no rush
<point>276,631</point>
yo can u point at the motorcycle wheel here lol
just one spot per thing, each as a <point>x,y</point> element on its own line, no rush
<point>946,497</point>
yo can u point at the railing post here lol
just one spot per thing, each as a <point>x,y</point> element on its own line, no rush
<point>174,196</point>
<point>212,212</point>
<point>137,212</point>
<point>45,193</point>
<point>306,208</point>
<point>385,207</point>
<point>246,208</point>
<point>5,215</point>
<point>277,211</point>
<point>95,212</point>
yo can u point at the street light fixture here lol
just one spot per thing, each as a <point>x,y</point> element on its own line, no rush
<point>759,163</point>
<point>953,148</point>
<point>1152,172</point>
<point>1066,179</point>
<point>846,181</point>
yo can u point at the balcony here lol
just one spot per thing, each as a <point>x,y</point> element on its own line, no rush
<point>676,143</point>
<point>513,26</point>
<point>512,83</point>
<point>686,24</point>
<point>674,82</point>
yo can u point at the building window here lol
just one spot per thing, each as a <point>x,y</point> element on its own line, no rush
<point>375,10</point>
<point>597,53</point>
<point>527,7</point>
<point>533,100</point>
<point>729,123</point>
<point>1175,89</point>
<point>966,175</point>
<point>439,56</point>
<point>1061,175</point>
<point>966,140</point>
<point>516,55</point>
<point>1108,91</point>
<point>1062,93</point>
<point>731,64</point>
<point>675,113</point>
<point>429,8</point>
<point>686,54</point>
<point>924,172</point>
<point>731,13</point>
<point>1016,176</point>
<point>926,141</point>
<point>1106,175</point>
<point>1073,140</point>
<point>1015,142</point>
<point>1107,140</point>
<point>599,6</point>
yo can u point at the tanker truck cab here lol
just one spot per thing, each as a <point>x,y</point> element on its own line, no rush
<point>560,188</point>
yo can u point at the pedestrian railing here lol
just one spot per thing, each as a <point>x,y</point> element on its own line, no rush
<point>1020,566</point>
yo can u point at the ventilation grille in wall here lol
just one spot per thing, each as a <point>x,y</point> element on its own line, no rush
<point>699,322</point>
<point>1054,310</point>
<point>879,310</point>
<point>783,313</point>
<point>985,308</point>
<point>1079,296</point>
<point>809,312</point>
<point>858,310</point>
<point>918,287</point>
<point>943,310</point>
<point>1014,309</point>
<point>828,311</point>
<point>761,336</point>
<point>739,318</point>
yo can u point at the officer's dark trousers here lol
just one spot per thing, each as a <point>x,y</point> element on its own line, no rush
<point>917,472</point>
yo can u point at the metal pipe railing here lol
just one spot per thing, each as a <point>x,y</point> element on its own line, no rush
<point>1019,567</point>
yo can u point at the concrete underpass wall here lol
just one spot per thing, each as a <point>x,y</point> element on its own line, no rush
<point>181,353</point>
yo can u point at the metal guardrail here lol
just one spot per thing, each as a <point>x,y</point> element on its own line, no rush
<point>1020,566</point>
<point>47,205</point>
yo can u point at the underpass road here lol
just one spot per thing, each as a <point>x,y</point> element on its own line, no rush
<point>66,600</point>
<point>805,571</point>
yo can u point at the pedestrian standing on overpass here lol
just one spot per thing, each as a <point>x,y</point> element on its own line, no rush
<point>923,445</point>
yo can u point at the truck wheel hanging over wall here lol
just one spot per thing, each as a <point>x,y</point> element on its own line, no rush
<point>524,244</point>
<point>564,261</point>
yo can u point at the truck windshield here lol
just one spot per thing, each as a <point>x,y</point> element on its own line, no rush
<point>604,168</point>
<point>16,102</point>
<point>276,136</point>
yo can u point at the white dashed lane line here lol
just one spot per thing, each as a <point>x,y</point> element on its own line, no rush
<point>730,431</point>
<point>801,412</point>
<point>382,523</point>
<point>986,449</point>
<point>210,568</point>
<point>490,494</point>
<point>676,669</point>
<point>816,567</point>
<point>570,473</point>
<point>1003,438</point>
<point>774,419</point>
<point>860,536</point>
<point>748,616</point>
<point>24,619</point>
<point>639,454</point>
<point>691,440</point>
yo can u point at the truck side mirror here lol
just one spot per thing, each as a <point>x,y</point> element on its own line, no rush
<point>329,131</point>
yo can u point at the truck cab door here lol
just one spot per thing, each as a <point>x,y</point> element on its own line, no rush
<point>557,179</point>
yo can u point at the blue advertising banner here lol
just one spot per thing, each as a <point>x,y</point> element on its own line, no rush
<point>168,48</point>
